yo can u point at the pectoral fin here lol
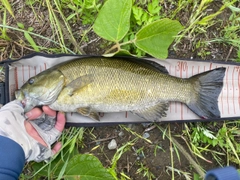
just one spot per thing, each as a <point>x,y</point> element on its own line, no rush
<point>79,83</point>
<point>153,113</point>
<point>86,111</point>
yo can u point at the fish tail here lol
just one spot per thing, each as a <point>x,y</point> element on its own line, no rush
<point>206,89</point>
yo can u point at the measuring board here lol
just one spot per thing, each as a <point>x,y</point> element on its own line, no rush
<point>228,101</point>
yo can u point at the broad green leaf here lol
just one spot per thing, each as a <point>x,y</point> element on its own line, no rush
<point>113,21</point>
<point>156,37</point>
<point>86,167</point>
<point>55,167</point>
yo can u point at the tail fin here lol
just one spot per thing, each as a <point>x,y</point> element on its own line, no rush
<point>207,87</point>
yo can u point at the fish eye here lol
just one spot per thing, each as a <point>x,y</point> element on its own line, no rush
<point>31,81</point>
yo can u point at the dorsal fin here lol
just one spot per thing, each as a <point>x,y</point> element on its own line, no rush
<point>148,63</point>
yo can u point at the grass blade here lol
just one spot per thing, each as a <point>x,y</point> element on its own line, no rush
<point>8,6</point>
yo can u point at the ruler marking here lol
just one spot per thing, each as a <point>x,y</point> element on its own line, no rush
<point>45,66</point>
<point>239,89</point>
<point>170,107</point>
<point>174,101</point>
<point>23,79</point>
<point>210,67</point>
<point>234,108</point>
<point>29,72</point>
<point>181,108</point>
<point>227,90</point>
<point>16,77</point>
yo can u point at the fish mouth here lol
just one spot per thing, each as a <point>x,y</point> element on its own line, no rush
<point>23,102</point>
<point>21,97</point>
<point>29,103</point>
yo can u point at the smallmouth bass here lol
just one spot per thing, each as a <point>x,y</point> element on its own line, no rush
<point>99,84</point>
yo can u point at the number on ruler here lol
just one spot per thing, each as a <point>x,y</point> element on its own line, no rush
<point>182,66</point>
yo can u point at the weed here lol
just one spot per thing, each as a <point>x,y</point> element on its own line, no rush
<point>7,5</point>
<point>173,142</point>
<point>199,19</point>
<point>156,148</point>
<point>229,35</point>
<point>224,139</point>
<point>83,10</point>
<point>145,171</point>
<point>179,172</point>
<point>28,37</point>
<point>118,155</point>
<point>3,29</point>
<point>37,35</point>
<point>135,134</point>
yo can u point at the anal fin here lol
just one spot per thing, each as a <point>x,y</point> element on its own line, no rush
<point>153,113</point>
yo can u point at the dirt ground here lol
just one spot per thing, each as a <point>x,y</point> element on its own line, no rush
<point>130,161</point>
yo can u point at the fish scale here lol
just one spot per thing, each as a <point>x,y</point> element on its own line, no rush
<point>131,86</point>
<point>100,84</point>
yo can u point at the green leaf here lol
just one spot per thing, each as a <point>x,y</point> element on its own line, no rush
<point>113,21</point>
<point>54,167</point>
<point>70,16</point>
<point>8,6</point>
<point>31,41</point>
<point>30,29</point>
<point>156,37</point>
<point>137,14</point>
<point>20,25</point>
<point>4,30</point>
<point>86,167</point>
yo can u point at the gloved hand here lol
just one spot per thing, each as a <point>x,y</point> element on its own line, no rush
<point>35,131</point>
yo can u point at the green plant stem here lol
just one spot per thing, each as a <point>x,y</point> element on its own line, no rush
<point>171,150</point>
<point>69,31</point>
<point>37,35</point>
<point>112,48</point>
<point>4,30</point>
<point>117,46</point>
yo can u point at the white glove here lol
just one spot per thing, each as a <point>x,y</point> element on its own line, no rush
<point>13,126</point>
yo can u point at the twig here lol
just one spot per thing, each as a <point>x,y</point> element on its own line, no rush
<point>229,53</point>
<point>94,40</point>
<point>150,128</point>
<point>189,158</point>
<point>104,139</point>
